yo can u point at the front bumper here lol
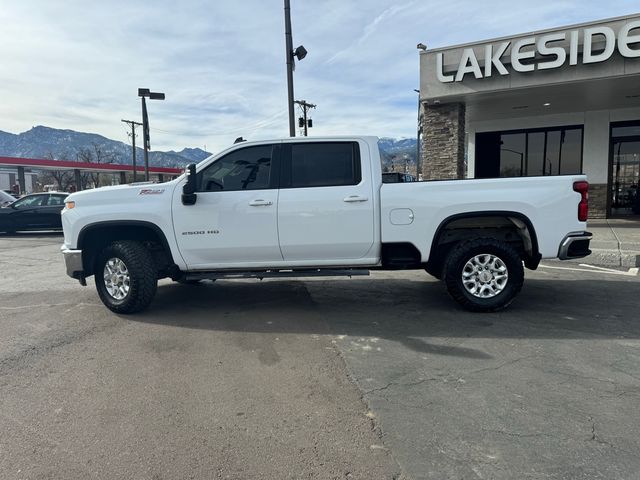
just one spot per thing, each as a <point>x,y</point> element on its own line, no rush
<point>73,262</point>
<point>575,245</point>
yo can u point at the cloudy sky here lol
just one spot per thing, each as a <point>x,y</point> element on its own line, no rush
<point>77,64</point>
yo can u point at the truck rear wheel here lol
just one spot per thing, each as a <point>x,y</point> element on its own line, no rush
<point>126,277</point>
<point>484,274</point>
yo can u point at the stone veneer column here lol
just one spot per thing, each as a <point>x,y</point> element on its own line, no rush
<point>598,198</point>
<point>443,135</point>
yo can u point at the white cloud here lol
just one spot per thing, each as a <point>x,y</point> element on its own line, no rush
<point>78,64</point>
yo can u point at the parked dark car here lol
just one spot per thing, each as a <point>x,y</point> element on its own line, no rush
<point>38,211</point>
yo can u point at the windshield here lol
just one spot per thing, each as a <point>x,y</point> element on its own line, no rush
<point>5,198</point>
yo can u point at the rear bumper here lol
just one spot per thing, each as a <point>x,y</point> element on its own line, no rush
<point>73,262</point>
<point>575,245</point>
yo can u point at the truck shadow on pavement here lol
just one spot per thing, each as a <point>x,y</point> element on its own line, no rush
<point>407,311</point>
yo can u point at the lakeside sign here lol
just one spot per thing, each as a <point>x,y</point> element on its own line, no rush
<point>552,54</point>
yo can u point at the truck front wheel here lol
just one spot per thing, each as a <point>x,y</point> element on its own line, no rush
<point>126,277</point>
<point>483,274</point>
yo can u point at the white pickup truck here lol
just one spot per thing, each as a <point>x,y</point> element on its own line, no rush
<point>319,207</point>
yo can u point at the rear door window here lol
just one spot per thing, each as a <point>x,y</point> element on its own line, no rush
<point>56,200</point>
<point>323,164</point>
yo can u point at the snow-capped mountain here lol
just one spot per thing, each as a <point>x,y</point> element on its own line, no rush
<point>396,150</point>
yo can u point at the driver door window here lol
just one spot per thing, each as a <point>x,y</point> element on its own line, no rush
<point>245,169</point>
<point>28,202</point>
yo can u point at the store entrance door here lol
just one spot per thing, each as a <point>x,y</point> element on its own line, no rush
<point>624,189</point>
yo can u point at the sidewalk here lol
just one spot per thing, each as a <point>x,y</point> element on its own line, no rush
<point>616,243</point>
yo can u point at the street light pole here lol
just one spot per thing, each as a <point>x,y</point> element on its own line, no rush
<point>289,52</point>
<point>144,93</point>
<point>298,53</point>
<point>145,138</point>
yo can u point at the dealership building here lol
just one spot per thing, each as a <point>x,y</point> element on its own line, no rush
<point>552,102</point>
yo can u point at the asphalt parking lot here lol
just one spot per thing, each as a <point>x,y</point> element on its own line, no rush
<point>372,378</point>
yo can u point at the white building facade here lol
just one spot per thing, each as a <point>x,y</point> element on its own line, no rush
<point>9,180</point>
<point>553,102</point>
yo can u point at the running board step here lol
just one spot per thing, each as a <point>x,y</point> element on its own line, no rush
<point>316,272</point>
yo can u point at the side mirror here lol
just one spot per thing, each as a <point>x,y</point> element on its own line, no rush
<point>189,196</point>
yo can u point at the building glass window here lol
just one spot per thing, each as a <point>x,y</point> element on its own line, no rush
<point>512,148</point>
<point>536,152</point>
<point>570,152</point>
<point>632,130</point>
<point>624,187</point>
<point>552,156</point>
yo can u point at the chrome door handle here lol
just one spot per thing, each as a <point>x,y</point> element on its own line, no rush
<point>355,198</point>
<point>260,203</point>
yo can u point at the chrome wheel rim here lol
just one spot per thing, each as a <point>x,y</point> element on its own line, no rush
<point>485,276</point>
<point>116,278</point>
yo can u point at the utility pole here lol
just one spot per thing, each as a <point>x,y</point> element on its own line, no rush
<point>133,143</point>
<point>305,108</point>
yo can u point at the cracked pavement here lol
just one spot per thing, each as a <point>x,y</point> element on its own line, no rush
<point>369,378</point>
<point>204,385</point>
<point>547,389</point>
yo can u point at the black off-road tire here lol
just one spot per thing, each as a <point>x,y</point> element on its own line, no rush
<point>143,275</point>
<point>468,249</point>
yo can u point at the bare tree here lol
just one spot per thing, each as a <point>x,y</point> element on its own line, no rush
<point>62,178</point>
<point>94,154</point>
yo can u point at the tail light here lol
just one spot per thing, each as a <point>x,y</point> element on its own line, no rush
<point>583,207</point>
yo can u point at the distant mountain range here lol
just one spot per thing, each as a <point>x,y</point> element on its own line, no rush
<point>46,142</point>
<point>398,151</point>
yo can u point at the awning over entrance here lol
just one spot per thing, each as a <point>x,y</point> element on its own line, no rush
<point>601,94</point>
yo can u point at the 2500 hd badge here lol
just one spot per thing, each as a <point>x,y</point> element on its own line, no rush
<point>202,232</point>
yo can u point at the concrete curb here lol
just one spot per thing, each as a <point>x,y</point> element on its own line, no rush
<point>616,243</point>
<point>612,258</point>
